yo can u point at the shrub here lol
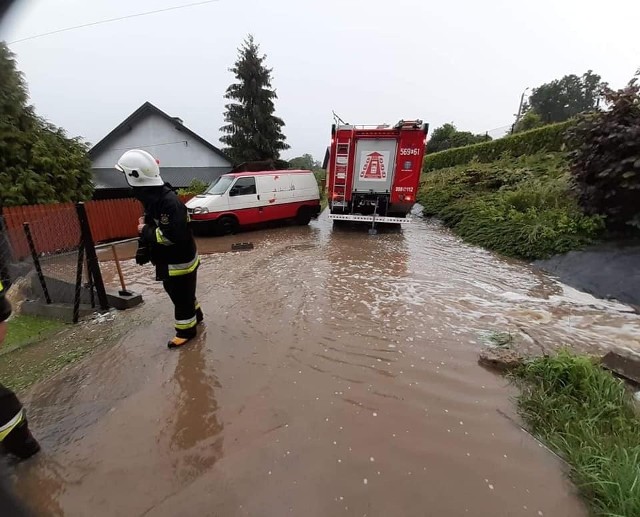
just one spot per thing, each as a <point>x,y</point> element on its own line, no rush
<point>195,187</point>
<point>520,207</point>
<point>533,231</point>
<point>605,158</point>
<point>548,138</point>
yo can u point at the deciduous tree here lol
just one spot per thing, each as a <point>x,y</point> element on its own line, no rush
<point>38,162</point>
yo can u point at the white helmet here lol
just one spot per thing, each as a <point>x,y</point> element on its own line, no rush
<point>140,169</point>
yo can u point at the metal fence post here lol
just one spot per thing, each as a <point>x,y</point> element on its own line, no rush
<point>92,258</point>
<point>36,262</point>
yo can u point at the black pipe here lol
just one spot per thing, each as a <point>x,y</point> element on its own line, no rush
<point>36,262</point>
<point>78,293</point>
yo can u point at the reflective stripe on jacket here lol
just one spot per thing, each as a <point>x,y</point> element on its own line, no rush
<point>11,424</point>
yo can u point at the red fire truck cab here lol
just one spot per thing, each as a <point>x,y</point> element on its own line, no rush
<point>374,172</point>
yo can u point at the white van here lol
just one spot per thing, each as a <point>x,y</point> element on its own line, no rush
<point>249,198</point>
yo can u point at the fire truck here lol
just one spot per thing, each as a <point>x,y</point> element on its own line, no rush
<point>374,171</point>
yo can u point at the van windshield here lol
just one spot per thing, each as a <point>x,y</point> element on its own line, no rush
<point>220,186</point>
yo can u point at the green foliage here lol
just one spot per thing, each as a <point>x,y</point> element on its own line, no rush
<point>518,207</point>
<point>547,138</point>
<point>586,415</point>
<point>565,98</point>
<point>253,132</point>
<point>38,163</point>
<point>605,158</point>
<point>24,330</point>
<point>448,137</point>
<point>304,162</point>
<point>195,187</point>
<point>500,339</point>
<point>530,120</point>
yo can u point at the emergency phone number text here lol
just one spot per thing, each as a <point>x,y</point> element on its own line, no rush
<point>409,152</point>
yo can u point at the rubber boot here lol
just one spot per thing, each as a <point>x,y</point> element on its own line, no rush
<point>178,342</point>
<point>199,315</point>
<point>20,442</point>
<point>182,338</point>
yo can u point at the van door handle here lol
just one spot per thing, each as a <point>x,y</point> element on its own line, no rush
<point>258,197</point>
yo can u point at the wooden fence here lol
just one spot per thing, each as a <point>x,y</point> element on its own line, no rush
<point>55,227</point>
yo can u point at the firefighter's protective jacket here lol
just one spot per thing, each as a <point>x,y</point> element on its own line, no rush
<point>11,414</point>
<point>5,306</point>
<point>167,233</point>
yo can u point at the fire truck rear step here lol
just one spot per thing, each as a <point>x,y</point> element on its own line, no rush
<point>369,218</point>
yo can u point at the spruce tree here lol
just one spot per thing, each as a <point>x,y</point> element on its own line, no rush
<point>252,131</point>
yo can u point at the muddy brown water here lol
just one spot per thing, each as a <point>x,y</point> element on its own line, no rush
<point>336,375</point>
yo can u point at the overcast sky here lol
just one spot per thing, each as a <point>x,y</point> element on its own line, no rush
<point>373,61</point>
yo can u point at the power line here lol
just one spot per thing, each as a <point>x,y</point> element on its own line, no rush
<point>110,20</point>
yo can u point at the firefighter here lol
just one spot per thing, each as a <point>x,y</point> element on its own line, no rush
<point>165,240</point>
<point>15,437</point>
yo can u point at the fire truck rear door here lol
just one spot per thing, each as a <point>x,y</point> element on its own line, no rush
<point>375,162</point>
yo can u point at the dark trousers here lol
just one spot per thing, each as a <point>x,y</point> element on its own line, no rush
<point>182,291</point>
<point>19,441</point>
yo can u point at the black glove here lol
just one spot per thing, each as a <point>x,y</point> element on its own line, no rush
<point>142,255</point>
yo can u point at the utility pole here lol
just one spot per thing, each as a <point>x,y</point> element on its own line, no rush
<point>519,110</point>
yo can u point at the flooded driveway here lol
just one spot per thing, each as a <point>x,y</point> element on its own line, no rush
<point>337,375</point>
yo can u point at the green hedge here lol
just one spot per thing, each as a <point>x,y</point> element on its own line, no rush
<point>547,138</point>
<point>520,207</point>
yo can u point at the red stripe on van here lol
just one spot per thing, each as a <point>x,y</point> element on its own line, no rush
<point>257,215</point>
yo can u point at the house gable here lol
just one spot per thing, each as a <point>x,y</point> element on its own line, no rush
<point>183,154</point>
<point>163,137</point>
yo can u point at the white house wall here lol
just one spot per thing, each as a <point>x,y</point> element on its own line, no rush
<point>158,136</point>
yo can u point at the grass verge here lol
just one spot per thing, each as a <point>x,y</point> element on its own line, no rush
<point>520,207</point>
<point>24,330</point>
<point>56,346</point>
<point>586,415</point>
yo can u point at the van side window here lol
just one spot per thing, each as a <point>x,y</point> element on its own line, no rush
<point>244,187</point>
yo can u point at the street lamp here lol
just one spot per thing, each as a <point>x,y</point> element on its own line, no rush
<point>519,110</point>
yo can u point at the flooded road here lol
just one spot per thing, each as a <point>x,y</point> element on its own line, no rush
<point>337,375</point>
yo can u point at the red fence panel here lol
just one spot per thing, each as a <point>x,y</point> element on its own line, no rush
<point>112,219</point>
<point>55,227</point>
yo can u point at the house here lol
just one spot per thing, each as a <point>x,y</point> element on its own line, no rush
<point>183,154</point>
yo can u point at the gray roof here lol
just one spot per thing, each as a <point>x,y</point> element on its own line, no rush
<point>144,110</point>
<point>178,177</point>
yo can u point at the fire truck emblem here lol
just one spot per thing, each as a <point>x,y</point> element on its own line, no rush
<point>374,168</point>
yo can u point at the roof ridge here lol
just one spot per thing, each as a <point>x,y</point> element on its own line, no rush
<point>148,107</point>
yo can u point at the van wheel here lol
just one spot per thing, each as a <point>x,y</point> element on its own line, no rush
<point>304,216</point>
<point>227,225</point>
